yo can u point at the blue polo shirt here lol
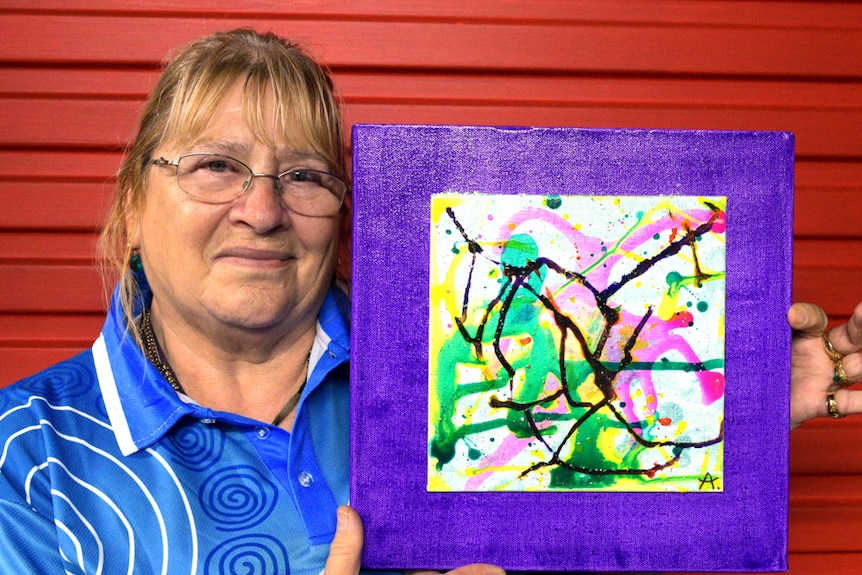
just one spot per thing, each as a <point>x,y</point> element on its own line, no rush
<point>104,468</point>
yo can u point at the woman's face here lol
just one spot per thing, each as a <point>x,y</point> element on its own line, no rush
<point>250,263</point>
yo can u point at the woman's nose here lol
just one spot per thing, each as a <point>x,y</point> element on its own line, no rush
<point>261,206</point>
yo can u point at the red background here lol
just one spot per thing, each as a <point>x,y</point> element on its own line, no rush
<point>73,78</point>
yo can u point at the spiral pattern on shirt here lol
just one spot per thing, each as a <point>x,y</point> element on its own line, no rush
<point>238,497</point>
<point>195,446</point>
<point>249,555</point>
<point>66,380</point>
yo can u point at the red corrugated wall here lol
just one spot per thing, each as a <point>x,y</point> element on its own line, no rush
<point>73,74</point>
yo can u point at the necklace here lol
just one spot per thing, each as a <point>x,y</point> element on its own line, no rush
<point>151,350</point>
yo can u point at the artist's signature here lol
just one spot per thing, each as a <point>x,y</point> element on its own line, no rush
<point>708,482</point>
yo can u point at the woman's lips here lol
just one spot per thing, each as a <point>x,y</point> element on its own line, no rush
<point>256,257</point>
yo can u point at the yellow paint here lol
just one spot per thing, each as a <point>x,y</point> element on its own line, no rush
<point>607,443</point>
<point>436,483</point>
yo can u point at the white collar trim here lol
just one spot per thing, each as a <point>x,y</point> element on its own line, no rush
<point>111,397</point>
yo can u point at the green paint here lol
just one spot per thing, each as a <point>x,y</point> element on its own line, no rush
<point>587,455</point>
<point>677,281</point>
<point>635,226</point>
<point>521,321</point>
<point>519,251</point>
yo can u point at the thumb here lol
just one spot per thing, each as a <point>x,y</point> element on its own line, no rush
<point>345,552</point>
<point>807,320</point>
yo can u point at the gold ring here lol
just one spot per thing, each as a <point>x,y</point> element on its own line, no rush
<point>840,376</point>
<point>830,349</point>
<point>832,406</point>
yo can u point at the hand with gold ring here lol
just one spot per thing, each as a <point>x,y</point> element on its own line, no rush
<point>823,364</point>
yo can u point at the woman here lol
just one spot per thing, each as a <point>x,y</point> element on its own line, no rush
<point>207,427</point>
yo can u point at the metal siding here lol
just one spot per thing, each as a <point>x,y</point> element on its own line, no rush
<point>73,77</point>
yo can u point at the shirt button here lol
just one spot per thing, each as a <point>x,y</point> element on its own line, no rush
<point>305,478</point>
<point>262,432</point>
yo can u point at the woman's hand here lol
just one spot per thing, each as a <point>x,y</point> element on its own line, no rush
<point>472,569</point>
<point>345,552</point>
<point>813,373</point>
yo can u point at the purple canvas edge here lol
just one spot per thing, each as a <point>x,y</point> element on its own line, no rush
<point>408,527</point>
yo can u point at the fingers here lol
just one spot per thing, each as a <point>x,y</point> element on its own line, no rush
<point>345,552</point>
<point>846,338</point>
<point>822,370</point>
<point>854,327</point>
<point>848,402</point>
<point>472,569</point>
<point>808,320</point>
<point>852,365</point>
<point>478,569</point>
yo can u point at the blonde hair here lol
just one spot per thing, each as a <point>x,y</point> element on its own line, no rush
<point>191,87</point>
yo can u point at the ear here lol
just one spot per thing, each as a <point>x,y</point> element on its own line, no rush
<point>133,226</point>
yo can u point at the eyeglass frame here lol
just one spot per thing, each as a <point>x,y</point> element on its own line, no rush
<point>161,162</point>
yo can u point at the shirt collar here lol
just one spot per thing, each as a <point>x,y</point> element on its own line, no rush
<point>141,404</point>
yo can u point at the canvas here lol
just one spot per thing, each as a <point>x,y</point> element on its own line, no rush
<point>569,347</point>
<point>576,342</point>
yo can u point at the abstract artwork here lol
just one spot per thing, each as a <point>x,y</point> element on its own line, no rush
<point>576,342</point>
<point>569,348</point>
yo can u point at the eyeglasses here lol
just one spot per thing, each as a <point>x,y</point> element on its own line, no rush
<point>217,179</point>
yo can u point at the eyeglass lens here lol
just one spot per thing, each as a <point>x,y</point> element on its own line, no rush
<point>215,178</point>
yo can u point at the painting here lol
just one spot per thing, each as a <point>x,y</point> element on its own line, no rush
<point>569,348</point>
<point>576,342</point>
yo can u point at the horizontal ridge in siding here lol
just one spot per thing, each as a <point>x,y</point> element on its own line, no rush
<point>50,330</point>
<point>56,205</point>
<point>59,166</point>
<point>825,447</point>
<point>841,295</point>
<point>47,247</point>
<point>527,89</point>
<point>46,123</point>
<point>57,288</point>
<point>830,528</point>
<point>714,13</point>
<point>817,563</point>
<point>651,49</point>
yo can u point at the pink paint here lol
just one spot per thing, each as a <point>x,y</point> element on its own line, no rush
<point>711,386</point>
<point>664,340</point>
<point>720,223</point>
<point>680,319</point>
<point>508,449</point>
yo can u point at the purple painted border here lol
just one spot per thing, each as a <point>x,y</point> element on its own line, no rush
<point>396,169</point>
